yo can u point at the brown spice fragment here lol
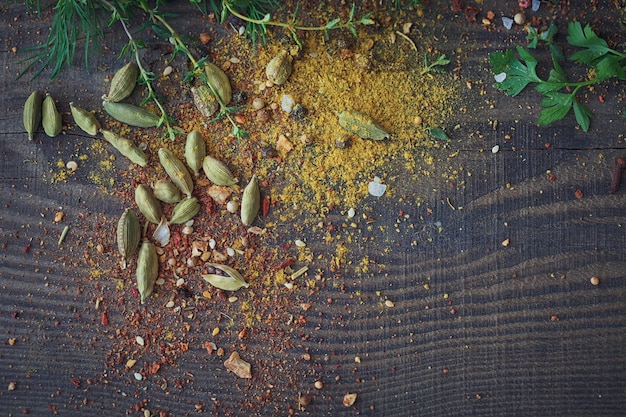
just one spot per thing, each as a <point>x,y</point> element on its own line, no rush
<point>238,366</point>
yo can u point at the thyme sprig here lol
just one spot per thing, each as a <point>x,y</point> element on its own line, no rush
<point>293,28</point>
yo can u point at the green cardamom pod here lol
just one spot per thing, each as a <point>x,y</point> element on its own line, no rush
<point>131,115</point>
<point>166,191</point>
<point>250,201</point>
<point>32,113</point>
<point>217,172</point>
<point>148,204</point>
<point>147,269</point>
<point>225,278</point>
<point>195,151</point>
<point>279,68</point>
<point>185,210</point>
<point>361,125</point>
<point>85,120</point>
<point>219,81</point>
<point>126,147</point>
<point>176,170</point>
<point>204,100</point>
<point>50,117</point>
<point>128,235</point>
<point>123,83</point>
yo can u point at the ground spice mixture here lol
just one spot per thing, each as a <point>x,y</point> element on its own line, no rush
<point>311,171</point>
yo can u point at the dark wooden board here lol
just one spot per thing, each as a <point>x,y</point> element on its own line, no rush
<point>514,330</point>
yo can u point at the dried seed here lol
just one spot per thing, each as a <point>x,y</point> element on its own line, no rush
<point>32,113</point>
<point>204,100</point>
<point>219,81</point>
<point>126,147</point>
<point>148,204</point>
<point>147,269</point>
<point>50,117</point>
<point>238,366</point>
<point>176,170</point>
<point>250,201</point>
<point>128,235</point>
<point>362,125</point>
<point>225,278</point>
<point>131,115</point>
<point>166,191</point>
<point>185,210</point>
<point>123,83</point>
<point>279,68</point>
<point>217,171</point>
<point>195,151</point>
<point>349,399</point>
<point>85,120</point>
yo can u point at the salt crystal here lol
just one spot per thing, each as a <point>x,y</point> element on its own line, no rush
<point>287,103</point>
<point>351,212</point>
<point>230,251</point>
<point>140,340</point>
<point>495,149</point>
<point>500,77</point>
<point>507,22</point>
<point>212,243</point>
<point>535,5</point>
<point>300,243</point>
<point>375,188</point>
<point>138,376</point>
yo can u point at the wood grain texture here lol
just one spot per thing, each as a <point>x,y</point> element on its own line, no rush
<point>478,328</point>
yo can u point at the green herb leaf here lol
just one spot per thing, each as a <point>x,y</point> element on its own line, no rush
<point>609,67</point>
<point>556,106</point>
<point>518,75</point>
<point>437,133</point>
<point>583,115</point>
<point>333,23</point>
<point>595,47</point>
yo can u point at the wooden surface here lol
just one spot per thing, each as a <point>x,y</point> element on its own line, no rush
<point>513,330</point>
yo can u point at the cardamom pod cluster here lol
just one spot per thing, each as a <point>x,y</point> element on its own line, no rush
<point>147,270</point>
<point>32,113</point>
<point>250,201</point>
<point>126,147</point>
<point>148,204</point>
<point>123,83</point>
<point>131,115</point>
<point>361,125</point>
<point>195,151</point>
<point>204,100</point>
<point>217,172</point>
<point>279,68</point>
<point>219,81</point>
<point>50,117</point>
<point>85,120</point>
<point>128,235</point>
<point>225,278</point>
<point>176,171</point>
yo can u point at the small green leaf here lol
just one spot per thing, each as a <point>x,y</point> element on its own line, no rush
<point>583,115</point>
<point>332,24</point>
<point>437,133</point>
<point>609,67</point>
<point>595,47</point>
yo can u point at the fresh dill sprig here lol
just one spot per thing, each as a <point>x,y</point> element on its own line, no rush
<point>73,20</point>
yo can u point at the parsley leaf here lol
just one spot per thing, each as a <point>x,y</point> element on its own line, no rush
<point>518,75</point>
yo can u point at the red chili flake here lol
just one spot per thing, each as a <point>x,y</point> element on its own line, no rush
<point>134,292</point>
<point>15,314</point>
<point>266,206</point>
<point>601,98</point>
<point>26,248</point>
<point>76,382</point>
<point>285,264</point>
<point>578,194</point>
<point>524,4</point>
<point>552,178</point>
<point>105,319</point>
